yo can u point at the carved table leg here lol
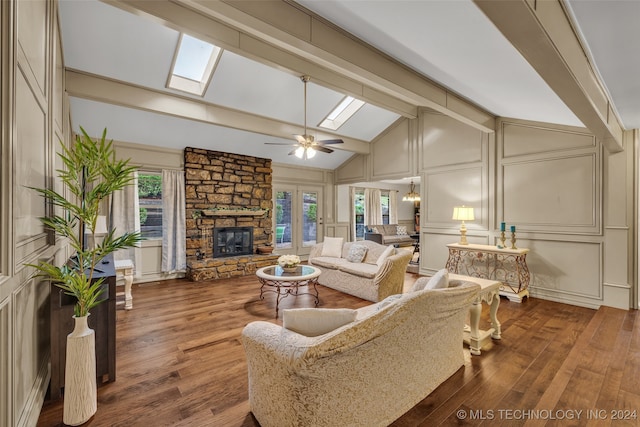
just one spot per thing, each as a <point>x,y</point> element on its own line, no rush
<point>474,320</point>
<point>128,297</point>
<point>495,324</point>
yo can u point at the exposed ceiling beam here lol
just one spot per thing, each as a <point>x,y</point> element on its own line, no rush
<point>96,88</point>
<point>286,35</point>
<point>545,37</point>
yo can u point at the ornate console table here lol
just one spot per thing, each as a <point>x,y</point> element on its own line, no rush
<point>508,266</point>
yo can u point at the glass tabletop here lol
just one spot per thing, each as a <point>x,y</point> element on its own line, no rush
<point>276,270</point>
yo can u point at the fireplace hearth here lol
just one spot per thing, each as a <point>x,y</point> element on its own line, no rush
<point>232,241</point>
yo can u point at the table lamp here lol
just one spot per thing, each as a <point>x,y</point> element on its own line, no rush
<point>463,213</point>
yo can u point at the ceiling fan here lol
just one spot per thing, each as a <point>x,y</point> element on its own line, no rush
<point>306,145</point>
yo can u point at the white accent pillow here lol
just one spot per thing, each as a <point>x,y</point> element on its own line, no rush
<point>356,253</point>
<point>401,230</point>
<point>332,246</point>
<point>440,280</point>
<point>312,322</point>
<point>384,255</point>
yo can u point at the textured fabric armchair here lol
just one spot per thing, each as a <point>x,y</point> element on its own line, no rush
<point>366,373</point>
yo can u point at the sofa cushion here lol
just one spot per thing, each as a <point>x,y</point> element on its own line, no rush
<point>312,322</point>
<point>332,263</point>
<point>389,229</point>
<point>401,230</point>
<point>384,255</point>
<point>357,253</point>
<point>332,246</point>
<point>390,240</point>
<point>374,253</point>
<point>368,271</point>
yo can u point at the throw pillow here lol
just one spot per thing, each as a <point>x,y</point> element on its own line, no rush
<point>440,280</point>
<point>375,230</point>
<point>312,322</point>
<point>356,253</point>
<point>384,255</point>
<point>401,230</point>
<point>332,247</point>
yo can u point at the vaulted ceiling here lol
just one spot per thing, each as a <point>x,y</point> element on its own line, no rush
<point>118,56</point>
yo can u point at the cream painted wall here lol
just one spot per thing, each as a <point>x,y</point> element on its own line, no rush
<point>34,118</point>
<point>545,179</point>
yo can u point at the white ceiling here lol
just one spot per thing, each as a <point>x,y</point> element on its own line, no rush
<point>451,42</point>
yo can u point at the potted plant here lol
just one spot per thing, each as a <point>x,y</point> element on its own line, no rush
<point>91,174</point>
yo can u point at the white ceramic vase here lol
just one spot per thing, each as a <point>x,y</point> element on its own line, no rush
<point>80,388</point>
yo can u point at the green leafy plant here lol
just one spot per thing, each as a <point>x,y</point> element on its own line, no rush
<point>144,214</point>
<point>91,174</point>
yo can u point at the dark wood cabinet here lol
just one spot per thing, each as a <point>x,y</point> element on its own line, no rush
<point>102,320</point>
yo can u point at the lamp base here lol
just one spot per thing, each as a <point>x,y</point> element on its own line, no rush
<point>463,234</point>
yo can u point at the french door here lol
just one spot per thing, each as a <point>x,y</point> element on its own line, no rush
<point>297,218</point>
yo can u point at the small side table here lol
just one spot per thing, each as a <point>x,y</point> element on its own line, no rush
<point>284,284</point>
<point>489,293</point>
<point>124,267</point>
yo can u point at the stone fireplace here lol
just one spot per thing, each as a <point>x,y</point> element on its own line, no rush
<point>226,191</point>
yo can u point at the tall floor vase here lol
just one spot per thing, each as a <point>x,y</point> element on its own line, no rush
<point>80,388</point>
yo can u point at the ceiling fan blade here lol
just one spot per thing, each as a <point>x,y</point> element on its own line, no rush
<point>293,152</point>
<point>323,149</point>
<point>330,141</point>
<point>300,138</point>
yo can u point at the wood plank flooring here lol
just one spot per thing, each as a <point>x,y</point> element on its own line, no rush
<point>180,362</point>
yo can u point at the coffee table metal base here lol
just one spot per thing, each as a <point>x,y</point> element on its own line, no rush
<point>283,284</point>
<point>283,289</point>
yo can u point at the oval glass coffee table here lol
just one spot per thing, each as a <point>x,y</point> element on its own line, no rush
<point>275,279</point>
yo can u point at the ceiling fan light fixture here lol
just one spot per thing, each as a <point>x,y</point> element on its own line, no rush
<point>305,153</point>
<point>310,153</point>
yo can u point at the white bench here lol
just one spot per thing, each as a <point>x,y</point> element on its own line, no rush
<point>125,267</point>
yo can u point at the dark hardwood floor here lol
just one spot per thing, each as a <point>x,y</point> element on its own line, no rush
<point>180,363</point>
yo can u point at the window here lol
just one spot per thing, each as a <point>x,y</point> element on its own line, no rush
<point>193,66</point>
<point>150,196</point>
<point>343,112</point>
<point>384,205</point>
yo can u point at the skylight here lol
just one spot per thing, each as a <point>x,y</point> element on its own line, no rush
<point>193,65</point>
<point>343,112</point>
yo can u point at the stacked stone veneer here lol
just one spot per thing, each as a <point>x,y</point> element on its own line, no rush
<point>214,179</point>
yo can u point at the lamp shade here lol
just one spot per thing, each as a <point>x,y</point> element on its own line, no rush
<point>463,213</point>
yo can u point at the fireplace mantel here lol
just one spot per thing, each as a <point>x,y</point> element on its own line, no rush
<point>233,212</point>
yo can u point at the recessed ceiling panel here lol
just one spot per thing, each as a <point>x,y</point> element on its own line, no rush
<point>108,41</point>
<point>368,122</point>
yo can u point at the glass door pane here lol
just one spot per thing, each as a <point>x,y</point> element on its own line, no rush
<point>359,212</point>
<point>309,218</point>
<point>283,219</point>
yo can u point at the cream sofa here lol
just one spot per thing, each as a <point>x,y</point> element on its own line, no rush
<point>367,372</point>
<point>372,279</point>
